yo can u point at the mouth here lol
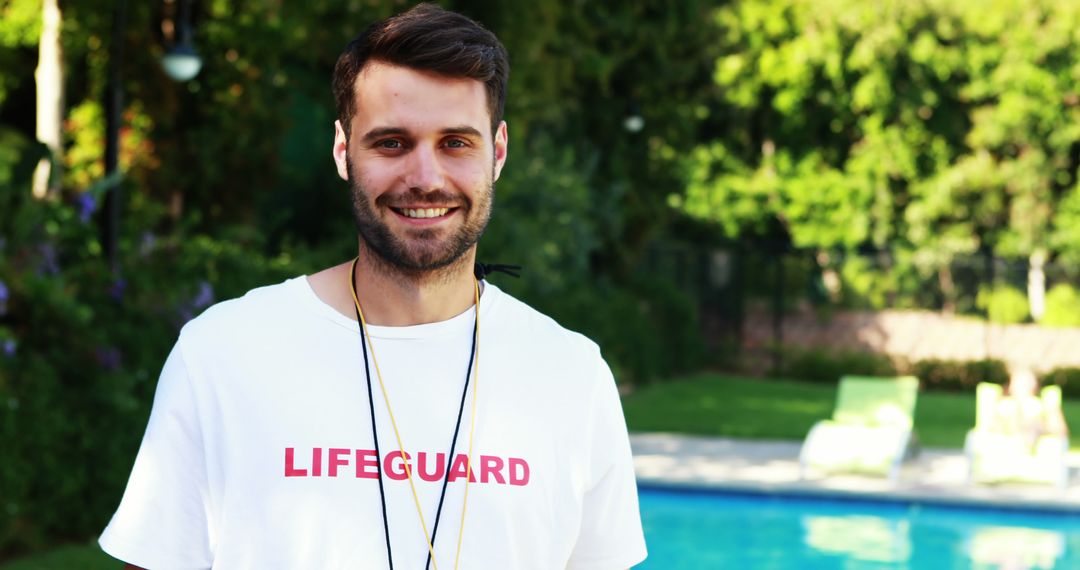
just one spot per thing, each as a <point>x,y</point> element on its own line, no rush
<point>423,213</point>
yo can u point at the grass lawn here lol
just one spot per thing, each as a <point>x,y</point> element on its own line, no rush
<point>731,406</point>
<point>70,557</point>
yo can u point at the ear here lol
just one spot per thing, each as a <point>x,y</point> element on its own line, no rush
<point>341,150</point>
<point>501,142</point>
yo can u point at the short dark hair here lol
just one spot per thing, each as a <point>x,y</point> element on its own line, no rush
<point>425,38</point>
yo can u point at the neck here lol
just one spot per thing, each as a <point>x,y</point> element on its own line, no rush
<point>390,297</point>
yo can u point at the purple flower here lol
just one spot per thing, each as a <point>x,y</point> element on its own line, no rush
<point>4,296</point>
<point>116,290</point>
<point>86,204</point>
<point>9,347</point>
<point>205,296</point>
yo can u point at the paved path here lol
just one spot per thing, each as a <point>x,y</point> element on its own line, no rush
<point>773,466</point>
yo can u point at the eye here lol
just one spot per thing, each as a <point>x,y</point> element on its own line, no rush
<point>389,144</point>
<point>456,143</point>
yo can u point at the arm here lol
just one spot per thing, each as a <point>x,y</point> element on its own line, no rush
<point>610,533</point>
<point>162,518</point>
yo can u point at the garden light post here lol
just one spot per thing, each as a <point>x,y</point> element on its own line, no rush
<point>180,63</point>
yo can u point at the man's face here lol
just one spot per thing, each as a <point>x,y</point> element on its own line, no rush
<point>421,162</point>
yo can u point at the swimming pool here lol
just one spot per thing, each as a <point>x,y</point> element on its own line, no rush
<point>697,529</point>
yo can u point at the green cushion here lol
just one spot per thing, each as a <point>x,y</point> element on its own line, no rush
<point>876,401</point>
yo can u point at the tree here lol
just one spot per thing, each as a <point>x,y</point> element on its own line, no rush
<point>932,129</point>
<point>49,79</point>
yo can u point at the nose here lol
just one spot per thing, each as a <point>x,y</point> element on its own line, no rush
<point>424,170</point>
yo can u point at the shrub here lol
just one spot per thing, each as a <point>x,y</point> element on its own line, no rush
<point>647,329</point>
<point>957,375</point>
<point>1062,307</point>
<point>81,347</point>
<point>1003,304</point>
<point>1068,378</point>
<point>829,365</point>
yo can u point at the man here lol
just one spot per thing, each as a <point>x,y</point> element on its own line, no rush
<point>393,410</point>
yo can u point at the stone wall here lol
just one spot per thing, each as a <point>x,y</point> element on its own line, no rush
<point>920,335</point>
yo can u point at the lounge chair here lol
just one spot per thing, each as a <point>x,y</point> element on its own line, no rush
<point>999,456</point>
<point>870,430</point>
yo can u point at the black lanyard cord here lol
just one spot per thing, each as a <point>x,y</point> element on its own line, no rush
<point>375,435</point>
<point>453,444</point>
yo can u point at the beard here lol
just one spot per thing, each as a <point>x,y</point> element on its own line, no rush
<point>420,251</point>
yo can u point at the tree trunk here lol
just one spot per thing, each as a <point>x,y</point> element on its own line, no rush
<point>49,77</point>
<point>1036,285</point>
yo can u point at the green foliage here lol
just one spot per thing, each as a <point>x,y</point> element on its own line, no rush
<point>80,348</point>
<point>1003,304</point>
<point>958,376</point>
<point>1068,378</point>
<point>1062,307</point>
<point>20,26</point>
<point>88,557</point>
<point>646,328</point>
<point>864,284</point>
<point>828,366</point>
<point>18,157</point>
<point>934,129</point>
<point>547,232</point>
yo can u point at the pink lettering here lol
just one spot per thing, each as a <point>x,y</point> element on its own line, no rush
<point>491,465</point>
<point>402,471</point>
<point>366,458</point>
<point>519,471</point>
<point>399,466</point>
<point>338,458</point>
<point>440,466</point>
<point>460,469</point>
<point>291,471</point>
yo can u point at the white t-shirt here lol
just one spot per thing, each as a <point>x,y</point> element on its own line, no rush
<point>259,450</point>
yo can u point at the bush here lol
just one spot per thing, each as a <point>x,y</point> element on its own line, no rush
<point>1067,378</point>
<point>828,366</point>
<point>957,375</point>
<point>647,329</point>
<point>81,347</point>
<point>1003,304</point>
<point>1062,307</point>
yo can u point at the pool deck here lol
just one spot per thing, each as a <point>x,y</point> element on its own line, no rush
<point>935,475</point>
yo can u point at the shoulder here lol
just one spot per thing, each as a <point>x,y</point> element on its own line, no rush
<point>257,310</point>
<point>517,322</point>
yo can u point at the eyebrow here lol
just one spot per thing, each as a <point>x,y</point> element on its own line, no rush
<point>380,132</point>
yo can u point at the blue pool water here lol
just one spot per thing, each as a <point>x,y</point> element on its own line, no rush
<point>689,530</point>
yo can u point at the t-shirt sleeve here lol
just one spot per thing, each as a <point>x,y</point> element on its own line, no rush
<point>162,521</point>
<point>611,536</point>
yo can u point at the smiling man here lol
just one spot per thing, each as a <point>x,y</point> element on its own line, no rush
<point>397,409</point>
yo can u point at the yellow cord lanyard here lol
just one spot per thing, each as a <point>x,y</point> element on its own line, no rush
<point>474,369</point>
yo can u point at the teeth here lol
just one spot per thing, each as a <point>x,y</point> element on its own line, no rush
<point>424,212</point>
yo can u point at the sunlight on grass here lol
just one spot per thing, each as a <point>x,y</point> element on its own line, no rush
<point>732,406</point>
